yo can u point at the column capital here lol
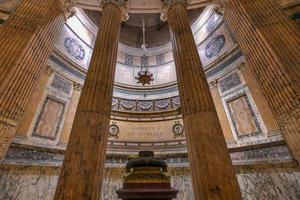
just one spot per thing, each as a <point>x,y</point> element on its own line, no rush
<point>122,4</point>
<point>220,2</point>
<point>242,66</point>
<point>77,86</point>
<point>213,84</point>
<point>167,4</point>
<point>220,6</point>
<point>48,70</point>
<point>68,8</point>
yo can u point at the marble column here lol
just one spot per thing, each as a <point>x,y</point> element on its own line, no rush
<point>82,171</point>
<point>26,40</point>
<point>213,175</point>
<point>270,42</point>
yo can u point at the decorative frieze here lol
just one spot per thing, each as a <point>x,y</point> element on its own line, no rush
<point>146,106</point>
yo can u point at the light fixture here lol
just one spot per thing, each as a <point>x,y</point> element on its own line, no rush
<point>144,75</point>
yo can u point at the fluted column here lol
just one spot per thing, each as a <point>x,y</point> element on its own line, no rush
<point>82,170</point>
<point>26,40</point>
<point>270,42</point>
<point>213,175</point>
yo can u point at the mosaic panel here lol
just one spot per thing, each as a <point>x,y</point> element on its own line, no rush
<point>49,119</point>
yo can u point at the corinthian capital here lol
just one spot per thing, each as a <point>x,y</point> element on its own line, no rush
<point>122,4</point>
<point>68,8</point>
<point>166,4</point>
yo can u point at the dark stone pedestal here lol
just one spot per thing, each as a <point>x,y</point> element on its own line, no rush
<point>146,179</point>
<point>147,194</point>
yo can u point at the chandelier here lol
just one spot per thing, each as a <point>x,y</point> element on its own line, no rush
<point>144,75</point>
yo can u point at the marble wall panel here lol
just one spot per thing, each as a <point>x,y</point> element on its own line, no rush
<point>269,184</point>
<point>27,183</point>
<point>38,183</point>
<point>124,73</point>
<point>229,82</point>
<point>62,84</point>
<point>242,115</point>
<point>49,119</point>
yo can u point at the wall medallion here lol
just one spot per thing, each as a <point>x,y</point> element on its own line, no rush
<point>74,48</point>
<point>178,129</point>
<point>214,47</point>
<point>114,130</point>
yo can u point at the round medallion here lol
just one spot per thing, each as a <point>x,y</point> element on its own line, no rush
<point>178,129</point>
<point>114,130</point>
<point>74,49</point>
